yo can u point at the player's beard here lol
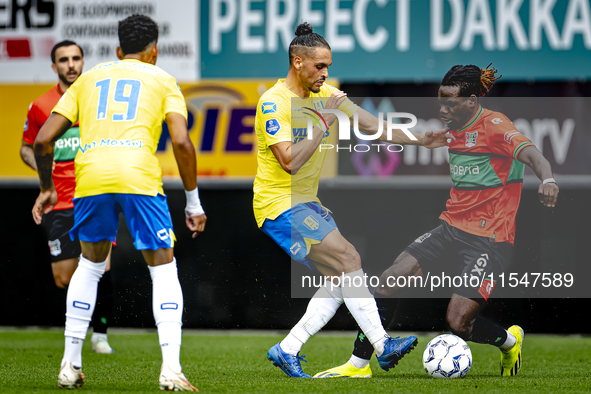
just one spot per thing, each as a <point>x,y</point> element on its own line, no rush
<point>315,89</point>
<point>64,79</point>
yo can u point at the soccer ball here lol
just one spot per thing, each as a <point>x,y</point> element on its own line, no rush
<point>447,356</point>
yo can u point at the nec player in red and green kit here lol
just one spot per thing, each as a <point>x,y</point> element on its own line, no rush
<point>287,208</point>
<point>67,62</point>
<point>121,106</point>
<point>487,157</point>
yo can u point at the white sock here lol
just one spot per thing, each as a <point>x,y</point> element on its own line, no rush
<point>73,351</point>
<point>363,307</point>
<point>358,362</point>
<point>80,303</point>
<point>509,343</point>
<point>321,309</point>
<point>167,304</point>
<point>97,335</point>
<point>169,334</point>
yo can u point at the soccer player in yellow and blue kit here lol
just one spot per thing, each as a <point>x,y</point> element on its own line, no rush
<point>287,208</point>
<point>121,106</point>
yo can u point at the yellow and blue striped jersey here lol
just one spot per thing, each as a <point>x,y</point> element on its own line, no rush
<point>121,106</point>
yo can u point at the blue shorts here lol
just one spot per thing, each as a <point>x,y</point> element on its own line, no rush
<point>300,227</point>
<point>96,218</point>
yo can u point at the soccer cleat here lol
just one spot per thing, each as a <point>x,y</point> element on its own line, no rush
<point>70,377</point>
<point>345,371</point>
<point>172,381</point>
<point>395,349</point>
<point>288,363</point>
<point>511,360</point>
<point>101,346</point>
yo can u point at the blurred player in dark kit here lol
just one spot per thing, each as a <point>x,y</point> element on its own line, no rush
<point>67,62</point>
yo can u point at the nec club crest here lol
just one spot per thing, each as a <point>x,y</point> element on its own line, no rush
<point>471,139</point>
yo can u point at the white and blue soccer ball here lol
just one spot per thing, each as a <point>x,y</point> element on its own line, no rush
<point>447,356</point>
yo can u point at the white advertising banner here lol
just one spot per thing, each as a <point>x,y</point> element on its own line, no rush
<point>29,29</point>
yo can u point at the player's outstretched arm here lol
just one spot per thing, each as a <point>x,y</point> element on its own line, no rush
<point>291,156</point>
<point>548,190</point>
<point>184,154</point>
<point>53,128</point>
<point>369,124</point>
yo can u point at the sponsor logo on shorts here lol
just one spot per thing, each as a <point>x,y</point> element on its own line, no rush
<point>509,135</point>
<point>422,238</point>
<point>268,107</point>
<point>295,248</point>
<point>169,305</point>
<point>478,269</point>
<point>55,247</point>
<point>163,234</point>
<point>486,288</point>
<point>497,121</point>
<point>311,223</point>
<point>272,126</point>
<point>471,139</point>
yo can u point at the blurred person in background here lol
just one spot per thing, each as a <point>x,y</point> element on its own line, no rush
<point>67,62</point>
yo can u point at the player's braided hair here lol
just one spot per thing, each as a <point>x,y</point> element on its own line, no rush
<point>471,79</point>
<point>305,40</point>
<point>65,43</point>
<point>136,32</point>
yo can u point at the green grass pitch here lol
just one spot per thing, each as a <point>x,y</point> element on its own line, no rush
<point>29,362</point>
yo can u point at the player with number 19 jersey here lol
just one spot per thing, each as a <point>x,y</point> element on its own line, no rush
<point>120,133</point>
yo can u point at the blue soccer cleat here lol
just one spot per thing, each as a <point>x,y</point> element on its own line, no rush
<point>394,350</point>
<point>288,363</point>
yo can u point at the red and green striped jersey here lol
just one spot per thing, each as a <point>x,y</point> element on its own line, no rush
<point>487,176</point>
<point>65,149</point>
